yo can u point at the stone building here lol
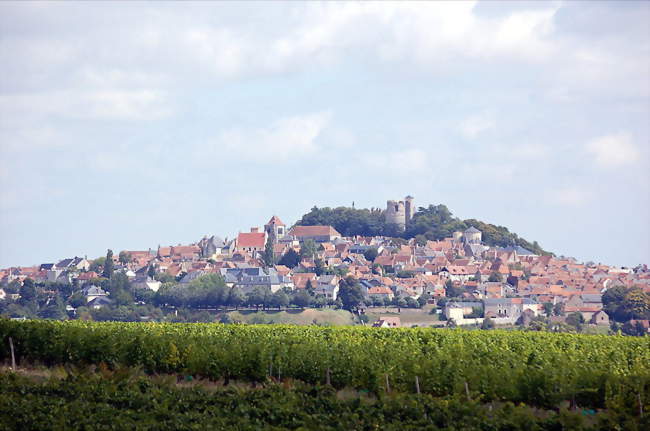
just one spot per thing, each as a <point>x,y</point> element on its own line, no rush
<point>400,212</point>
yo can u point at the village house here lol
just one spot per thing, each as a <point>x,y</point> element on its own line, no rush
<point>315,233</point>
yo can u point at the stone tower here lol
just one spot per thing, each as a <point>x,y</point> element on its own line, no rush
<point>409,209</point>
<point>400,212</point>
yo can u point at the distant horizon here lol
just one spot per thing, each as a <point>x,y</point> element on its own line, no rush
<point>131,123</point>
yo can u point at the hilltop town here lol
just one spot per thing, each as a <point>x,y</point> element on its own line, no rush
<point>384,281</point>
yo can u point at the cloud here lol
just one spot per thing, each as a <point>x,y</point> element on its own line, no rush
<point>570,196</point>
<point>612,151</point>
<point>471,127</point>
<point>404,162</point>
<point>286,138</point>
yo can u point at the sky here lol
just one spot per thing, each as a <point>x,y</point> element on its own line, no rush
<point>133,125</point>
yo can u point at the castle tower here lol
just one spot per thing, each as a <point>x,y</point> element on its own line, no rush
<point>409,210</point>
<point>396,213</point>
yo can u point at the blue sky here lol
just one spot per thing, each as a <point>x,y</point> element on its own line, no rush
<point>129,125</point>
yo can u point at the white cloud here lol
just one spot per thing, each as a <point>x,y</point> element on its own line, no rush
<point>471,127</point>
<point>287,138</point>
<point>403,162</point>
<point>570,196</point>
<point>613,151</point>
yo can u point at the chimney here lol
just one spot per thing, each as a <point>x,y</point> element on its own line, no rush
<point>255,230</point>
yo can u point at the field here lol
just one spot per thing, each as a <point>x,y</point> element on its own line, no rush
<point>605,374</point>
<point>309,316</point>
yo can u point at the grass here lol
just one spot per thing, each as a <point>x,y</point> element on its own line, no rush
<point>309,316</point>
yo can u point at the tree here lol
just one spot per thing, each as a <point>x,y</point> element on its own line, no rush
<point>279,299</point>
<point>575,319</point>
<point>54,310</point>
<point>622,303</point>
<point>269,254</point>
<point>301,299</point>
<point>350,293</point>
<point>487,323</point>
<point>77,300</point>
<point>151,271</point>
<point>236,297</point>
<point>290,259</point>
<point>125,257</point>
<point>495,276</point>
<point>411,303</point>
<point>308,249</point>
<point>97,264</point>
<point>558,309</point>
<point>309,287</point>
<point>451,323</point>
<point>452,291</point>
<point>320,267</point>
<point>255,298</point>
<point>27,292</point>
<point>108,264</point>
<point>423,299</point>
<point>548,308</point>
<point>370,254</point>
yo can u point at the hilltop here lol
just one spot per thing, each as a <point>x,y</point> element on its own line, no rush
<point>435,222</point>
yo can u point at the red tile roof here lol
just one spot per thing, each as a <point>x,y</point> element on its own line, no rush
<point>251,239</point>
<point>301,231</point>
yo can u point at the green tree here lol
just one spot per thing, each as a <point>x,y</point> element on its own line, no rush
<point>236,297</point>
<point>301,299</point>
<point>558,309</point>
<point>370,254</point>
<point>55,310</point>
<point>269,255</point>
<point>27,292</point>
<point>452,291</point>
<point>108,264</point>
<point>495,276</point>
<point>575,319</point>
<point>548,308</point>
<point>279,299</point>
<point>290,259</point>
<point>77,300</point>
<point>308,249</point>
<point>309,288</point>
<point>125,257</point>
<point>97,264</point>
<point>350,293</point>
<point>423,299</point>
<point>255,298</point>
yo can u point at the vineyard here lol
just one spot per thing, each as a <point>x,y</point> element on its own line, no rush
<point>541,369</point>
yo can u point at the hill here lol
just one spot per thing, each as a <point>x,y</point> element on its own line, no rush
<point>434,222</point>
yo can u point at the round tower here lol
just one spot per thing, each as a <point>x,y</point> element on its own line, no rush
<point>396,213</point>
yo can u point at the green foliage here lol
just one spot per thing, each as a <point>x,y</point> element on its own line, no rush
<point>125,257</point>
<point>108,264</point>
<point>97,264</point>
<point>495,276</point>
<point>434,222</point>
<point>622,303</point>
<point>536,368</point>
<point>125,400</point>
<point>269,255</point>
<point>575,319</point>
<point>290,259</point>
<point>206,291</point>
<point>370,254</point>
<point>308,249</point>
<point>350,293</point>
<point>27,292</point>
<point>347,221</point>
